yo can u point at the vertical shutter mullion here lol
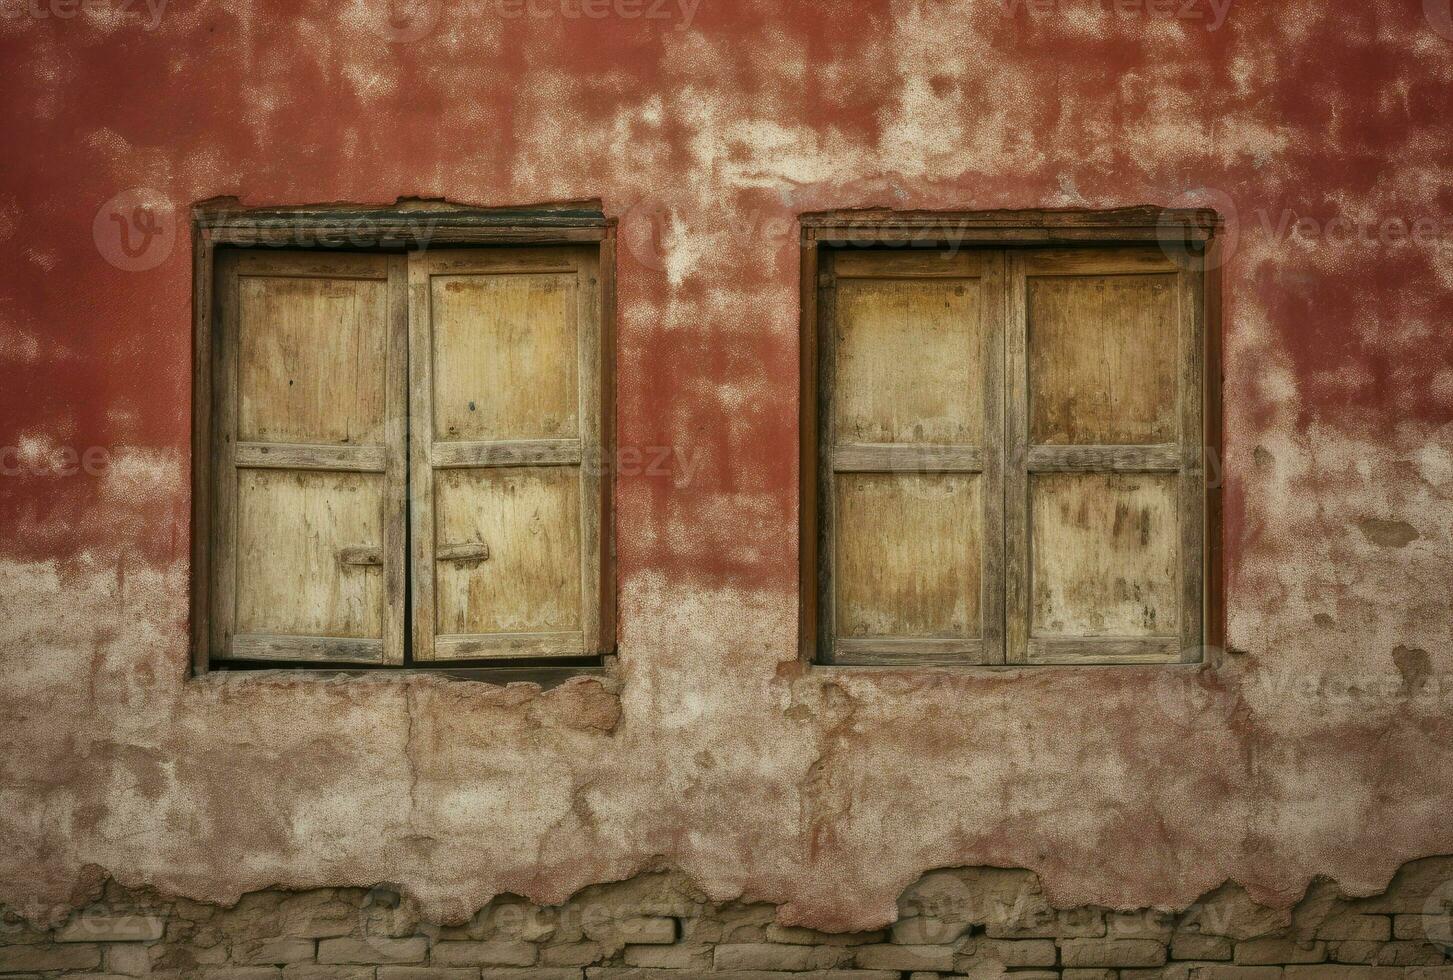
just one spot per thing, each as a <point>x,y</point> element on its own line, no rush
<point>224,462</point>
<point>588,385</point>
<point>421,455</point>
<point>1016,470</point>
<point>993,327</point>
<point>827,445</point>
<point>1192,480</point>
<point>396,488</point>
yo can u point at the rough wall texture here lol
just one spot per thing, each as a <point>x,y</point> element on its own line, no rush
<point>987,923</point>
<point>1322,746</point>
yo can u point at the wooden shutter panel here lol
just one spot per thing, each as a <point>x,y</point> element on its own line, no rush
<point>309,457</point>
<point>505,446</point>
<point>1105,497</point>
<point>911,535</point>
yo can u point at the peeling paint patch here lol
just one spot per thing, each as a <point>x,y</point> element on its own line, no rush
<point>1387,534</point>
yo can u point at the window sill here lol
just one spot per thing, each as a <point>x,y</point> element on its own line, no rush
<point>224,672</point>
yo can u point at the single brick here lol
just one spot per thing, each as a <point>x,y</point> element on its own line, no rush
<point>535,973</point>
<point>571,954</point>
<point>1276,949</point>
<point>16,959</point>
<point>1194,946</point>
<point>1111,952</point>
<point>1354,926</point>
<point>773,956</point>
<point>1095,974</point>
<point>680,956</point>
<point>1421,927</point>
<point>1011,953</point>
<point>242,973</point>
<point>128,959</point>
<point>640,929</point>
<point>376,950</point>
<point>312,971</point>
<point>1355,951</point>
<point>427,973</point>
<point>279,951</point>
<point>799,936</point>
<point>111,929</point>
<point>500,952</point>
<point>889,957</point>
<point>1326,972</point>
<point>1397,953</point>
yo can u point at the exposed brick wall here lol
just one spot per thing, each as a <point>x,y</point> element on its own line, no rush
<point>978,922</point>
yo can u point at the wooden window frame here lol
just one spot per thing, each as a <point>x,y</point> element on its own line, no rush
<point>1188,235</point>
<point>221,225</point>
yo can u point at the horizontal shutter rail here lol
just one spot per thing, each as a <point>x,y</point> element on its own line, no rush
<point>418,230</point>
<point>531,452</point>
<point>268,646</point>
<point>1104,649</point>
<point>276,455</point>
<point>917,650</point>
<point>935,264</point>
<point>526,262</point>
<point>462,646</point>
<point>1161,458</point>
<point>1128,261</point>
<point>900,457</point>
<point>317,265</point>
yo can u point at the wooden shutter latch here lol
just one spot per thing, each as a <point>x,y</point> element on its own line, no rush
<point>366,556</point>
<point>474,551</point>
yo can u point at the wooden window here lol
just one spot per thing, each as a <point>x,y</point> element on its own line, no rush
<point>404,455</point>
<point>1003,442</point>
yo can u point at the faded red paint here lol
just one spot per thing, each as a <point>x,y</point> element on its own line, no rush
<point>827,791</point>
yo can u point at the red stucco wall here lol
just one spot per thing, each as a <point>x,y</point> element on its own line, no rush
<point>1325,746</point>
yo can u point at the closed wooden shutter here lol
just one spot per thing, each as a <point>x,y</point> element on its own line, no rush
<point>1104,489</point>
<point>505,446</point>
<point>309,458</point>
<point>911,548</point>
